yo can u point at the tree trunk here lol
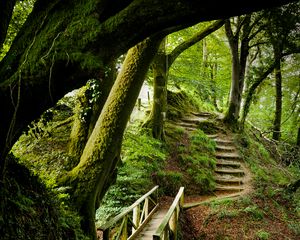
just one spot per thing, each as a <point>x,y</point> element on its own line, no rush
<point>90,103</point>
<point>278,108</point>
<point>232,113</point>
<point>239,63</point>
<point>78,136</point>
<point>97,167</point>
<point>158,111</point>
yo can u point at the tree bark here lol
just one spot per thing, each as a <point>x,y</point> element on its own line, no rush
<point>278,105</point>
<point>232,113</point>
<point>159,107</point>
<point>97,167</point>
<point>90,100</point>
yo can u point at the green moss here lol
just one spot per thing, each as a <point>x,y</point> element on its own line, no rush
<point>30,211</point>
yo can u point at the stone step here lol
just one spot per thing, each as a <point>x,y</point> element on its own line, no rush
<point>224,142</point>
<point>227,148</point>
<point>212,136</point>
<point>231,171</point>
<point>188,125</point>
<point>226,163</point>
<point>229,188</point>
<point>226,155</point>
<point>228,181</point>
<point>194,121</point>
<point>202,114</point>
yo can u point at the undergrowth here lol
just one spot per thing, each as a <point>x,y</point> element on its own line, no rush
<point>142,156</point>
<point>271,181</point>
<point>29,211</point>
<point>190,163</point>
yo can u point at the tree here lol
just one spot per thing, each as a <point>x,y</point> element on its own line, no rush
<point>92,176</point>
<point>279,29</point>
<point>160,67</point>
<point>239,42</point>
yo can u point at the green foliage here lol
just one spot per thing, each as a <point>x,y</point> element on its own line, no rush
<point>228,214</point>
<point>266,171</point>
<point>142,157</point>
<point>170,181</point>
<point>263,235</point>
<point>254,211</point>
<point>195,159</point>
<point>202,69</point>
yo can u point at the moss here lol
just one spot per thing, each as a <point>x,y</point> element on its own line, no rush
<point>29,211</point>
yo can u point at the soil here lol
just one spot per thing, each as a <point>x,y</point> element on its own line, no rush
<point>234,222</point>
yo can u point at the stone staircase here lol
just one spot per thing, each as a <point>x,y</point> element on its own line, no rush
<point>230,173</point>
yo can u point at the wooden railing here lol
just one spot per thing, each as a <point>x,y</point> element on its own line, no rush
<point>168,227</point>
<point>138,220</point>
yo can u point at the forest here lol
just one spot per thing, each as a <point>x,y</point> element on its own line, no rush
<point>104,100</point>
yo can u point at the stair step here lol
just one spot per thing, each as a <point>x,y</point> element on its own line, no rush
<point>229,171</point>
<point>224,181</point>
<point>228,188</point>
<point>202,114</point>
<point>212,136</point>
<point>224,142</point>
<point>227,163</point>
<point>221,155</point>
<point>225,148</point>
<point>190,121</point>
<point>188,125</point>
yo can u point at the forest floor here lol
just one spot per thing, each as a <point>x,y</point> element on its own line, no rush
<point>247,213</point>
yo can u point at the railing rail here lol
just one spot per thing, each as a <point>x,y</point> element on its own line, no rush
<point>168,227</point>
<point>138,221</point>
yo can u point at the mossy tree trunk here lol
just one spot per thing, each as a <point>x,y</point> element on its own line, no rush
<point>97,167</point>
<point>90,101</point>
<point>161,65</point>
<point>278,99</point>
<point>78,136</point>
<point>159,107</point>
<point>239,62</point>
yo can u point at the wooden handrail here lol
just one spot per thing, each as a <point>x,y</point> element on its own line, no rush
<point>168,227</point>
<point>143,218</point>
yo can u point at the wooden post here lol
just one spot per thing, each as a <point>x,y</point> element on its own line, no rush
<point>173,225</point>
<point>136,217</point>
<point>124,233</point>
<point>146,207</point>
